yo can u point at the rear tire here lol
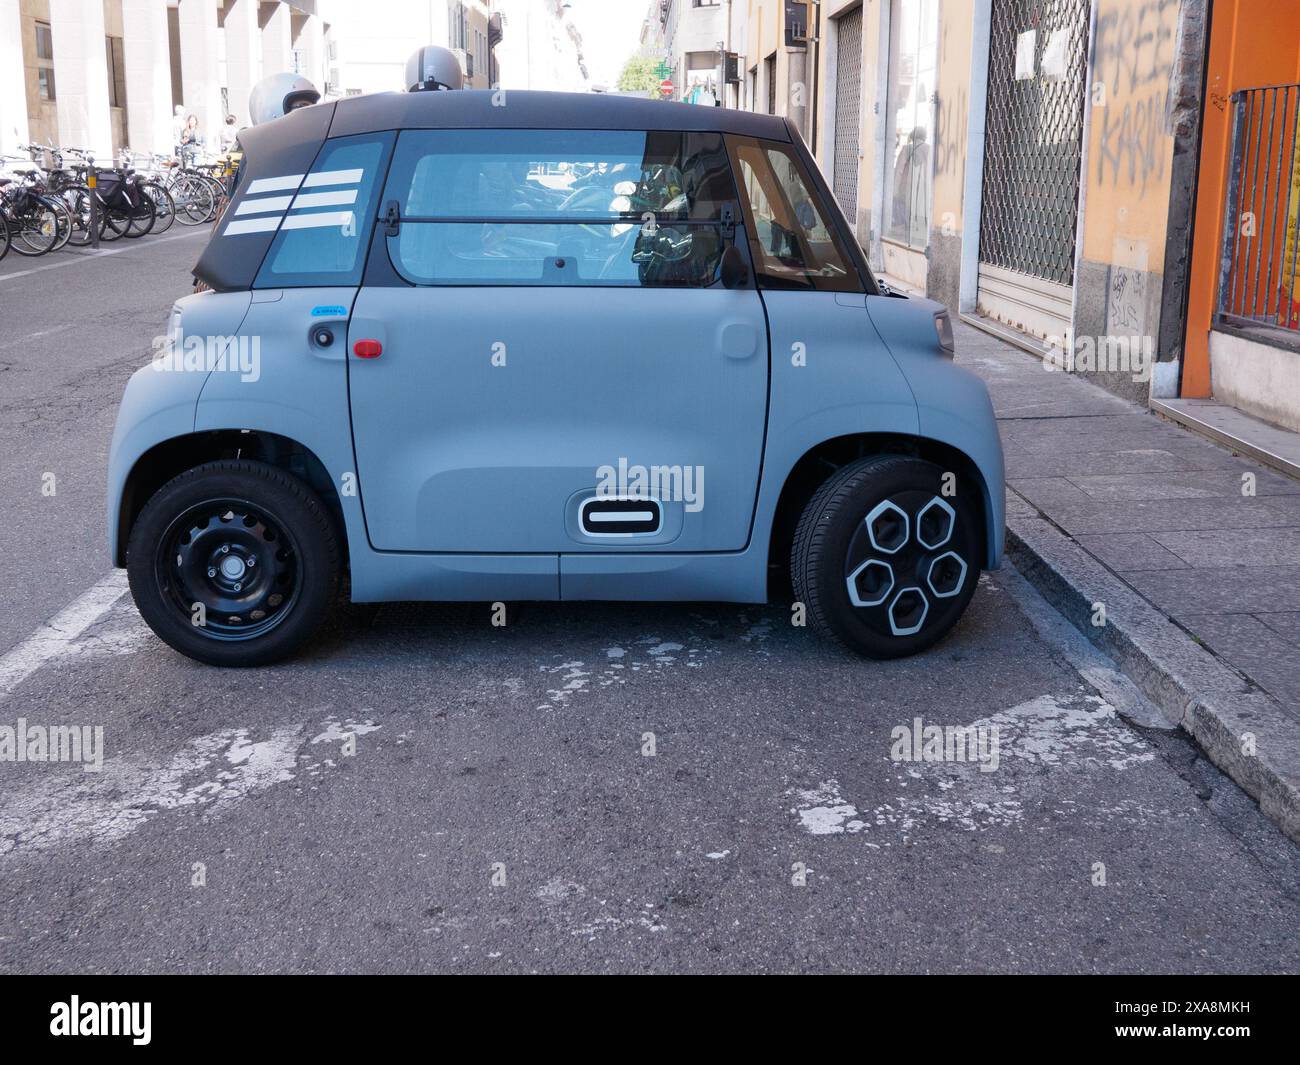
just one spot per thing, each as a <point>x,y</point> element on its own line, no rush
<point>897,585</point>
<point>234,563</point>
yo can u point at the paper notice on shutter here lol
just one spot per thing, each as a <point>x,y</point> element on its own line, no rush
<point>1053,66</point>
<point>1025,44</point>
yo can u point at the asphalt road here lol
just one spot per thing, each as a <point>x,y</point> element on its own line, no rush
<point>501,811</point>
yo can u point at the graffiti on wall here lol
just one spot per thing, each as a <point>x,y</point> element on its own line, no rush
<point>1132,63</point>
<point>1130,137</point>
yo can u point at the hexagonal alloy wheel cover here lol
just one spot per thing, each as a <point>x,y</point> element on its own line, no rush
<point>951,524</point>
<point>881,510</point>
<point>957,584</point>
<point>910,630</point>
<point>857,599</point>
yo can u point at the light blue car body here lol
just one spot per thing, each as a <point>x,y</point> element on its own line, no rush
<point>456,478</point>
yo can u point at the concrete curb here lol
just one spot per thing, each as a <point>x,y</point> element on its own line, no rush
<point>1192,687</point>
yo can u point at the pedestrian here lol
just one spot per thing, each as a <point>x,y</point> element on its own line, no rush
<point>191,139</point>
<point>229,134</point>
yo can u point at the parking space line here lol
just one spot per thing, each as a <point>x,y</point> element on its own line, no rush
<point>82,258</point>
<point>54,637</point>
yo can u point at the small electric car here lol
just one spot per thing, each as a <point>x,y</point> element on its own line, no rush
<point>538,346</point>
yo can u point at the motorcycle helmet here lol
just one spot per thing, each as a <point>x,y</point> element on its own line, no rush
<point>276,95</point>
<point>432,67</point>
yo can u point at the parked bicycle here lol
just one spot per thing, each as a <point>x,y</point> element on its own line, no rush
<point>36,222</point>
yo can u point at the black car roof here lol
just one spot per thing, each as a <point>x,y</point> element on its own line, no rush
<point>523,109</point>
<point>290,145</point>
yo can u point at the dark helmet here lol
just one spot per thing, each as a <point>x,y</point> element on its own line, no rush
<point>275,96</point>
<point>432,67</point>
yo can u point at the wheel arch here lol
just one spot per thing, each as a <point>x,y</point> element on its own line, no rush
<point>171,457</point>
<point>822,460</point>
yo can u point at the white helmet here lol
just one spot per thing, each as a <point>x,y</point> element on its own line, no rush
<point>432,67</point>
<point>275,96</point>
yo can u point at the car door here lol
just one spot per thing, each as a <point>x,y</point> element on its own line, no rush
<point>544,357</point>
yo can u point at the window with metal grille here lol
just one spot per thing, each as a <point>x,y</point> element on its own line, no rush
<point>1034,136</point>
<point>848,110</point>
<point>769,72</point>
<point>1259,283</point>
<point>45,61</point>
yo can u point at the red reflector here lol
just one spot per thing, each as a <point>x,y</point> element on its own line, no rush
<point>367,349</point>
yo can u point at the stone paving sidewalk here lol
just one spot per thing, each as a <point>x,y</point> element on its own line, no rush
<point>1160,507</point>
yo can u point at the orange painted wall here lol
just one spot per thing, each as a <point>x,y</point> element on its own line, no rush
<point>1252,43</point>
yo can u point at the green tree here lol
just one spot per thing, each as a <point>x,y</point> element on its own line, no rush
<point>639,75</point>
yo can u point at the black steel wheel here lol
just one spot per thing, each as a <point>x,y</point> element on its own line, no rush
<point>234,563</point>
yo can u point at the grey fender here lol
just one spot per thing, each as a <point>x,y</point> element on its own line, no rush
<point>952,404</point>
<point>300,392</point>
<point>161,398</point>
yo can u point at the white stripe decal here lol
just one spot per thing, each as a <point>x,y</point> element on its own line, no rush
<point>265,204</point>
<point>317,221</point>
<point>325,199</point>
<point>274,184</point>
<point>252,225</point>
<point>333,177</point>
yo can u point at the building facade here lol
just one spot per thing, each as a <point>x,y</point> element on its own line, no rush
<point>368,43</point>
<point>110,74</point>
<point>540,47</point>
<point>689,38</point>
<point>1114,184</point>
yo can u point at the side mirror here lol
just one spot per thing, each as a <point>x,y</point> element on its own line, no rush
<point>734,269</point>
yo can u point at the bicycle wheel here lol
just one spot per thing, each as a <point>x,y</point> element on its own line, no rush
<point>140,218</point>
<point>77,200</point>
<point>36,231</point>
<point>218,191</point>
<point>115,222</point>
<point>164,207</point>
<point>193,200</point>
<point>4,237</point>
<point>63,218</point>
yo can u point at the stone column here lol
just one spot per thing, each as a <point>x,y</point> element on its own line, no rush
<point>147,59</point>
<point>277,39</point>
<point>200,85</point>
<point>243,55</point>
<point>13,90</point>
<point>310,43</point>
<point>81,76</point>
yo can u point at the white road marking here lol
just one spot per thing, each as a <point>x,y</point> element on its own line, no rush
<point>53,639</point>
<point>214,773</point>
<point>83,257</point>
<point>50,332</point>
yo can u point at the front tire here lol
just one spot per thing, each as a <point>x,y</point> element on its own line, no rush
<point>234,563</point>
<point>883,559</point>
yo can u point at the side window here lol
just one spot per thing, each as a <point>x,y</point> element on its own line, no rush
<point>325,224</point>
<point>793,242</point>
<point>559,207</point>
